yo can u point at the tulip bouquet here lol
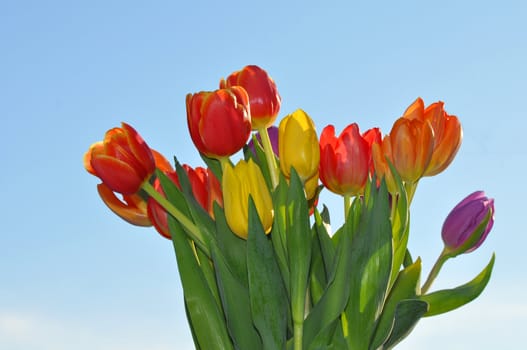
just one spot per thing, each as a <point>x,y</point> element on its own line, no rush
<point>259,264</point>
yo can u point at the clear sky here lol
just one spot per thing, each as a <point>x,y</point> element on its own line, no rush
<point>74,276</point>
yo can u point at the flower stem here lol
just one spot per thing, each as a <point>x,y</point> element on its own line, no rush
<point>410,190</point>
<point>347,205</point>
<point>269,156</point>
<point>190,228</point>
<point>435,271</point>
<point>298,331</point>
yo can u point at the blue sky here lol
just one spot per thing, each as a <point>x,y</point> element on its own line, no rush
<point>73,275</point>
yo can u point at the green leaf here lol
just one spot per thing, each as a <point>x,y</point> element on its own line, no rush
<point>400,224</point>
<point>204,313</point>
<point>279,231</point>
<point>298,245</point>
<point>268,298</point>
<point>407,314</point>
<point>449,299</point>
<point>236,305</point>
<point>233,248</point>
<point>335,297</point>
<point>371,251</point>
<point>327,248</point>
<point>405,287</point>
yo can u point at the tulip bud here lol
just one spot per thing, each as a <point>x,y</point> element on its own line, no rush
<point>123,160</point>
<point>263,94</point>
<point>344,160</point>
<point>298,145</point>
<point>219,121</point>
<point>460,231</point>
<point>240,182</point>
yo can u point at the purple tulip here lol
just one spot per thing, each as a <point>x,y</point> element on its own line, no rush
<point>273,135</point>
<point>463,220</point>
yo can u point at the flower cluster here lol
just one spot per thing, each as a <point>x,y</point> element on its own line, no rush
<point>262,263</point>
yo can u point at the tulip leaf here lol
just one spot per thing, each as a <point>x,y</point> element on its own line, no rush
<point>407,313</point>
<point>371,251</point>
<point>406,286</point>
<point>449,299</point>
<point>333,301</point>
<point>400,225</point>
<point>279,230</point>
<point>268,296</point>
<point>232,247</point>
<point>236,305</point>
<point>298,245</point>
<point>330,337</point>
<point>327,248</point>
<point>204,313</point>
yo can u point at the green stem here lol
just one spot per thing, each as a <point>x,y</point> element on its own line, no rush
<point>410,190</point>
<point>191,229</point>
<point>298,332</point>
<point>347,205</point>
<point>435,271</point>
<point>269,156</point>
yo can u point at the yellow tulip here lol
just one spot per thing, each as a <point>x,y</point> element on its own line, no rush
<point>298,145</point>
<point>238,183</point>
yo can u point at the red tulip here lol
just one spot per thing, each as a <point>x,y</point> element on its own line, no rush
<point>344,161</point>
<point>219,121</point>
<point>263,94</point>
<point>123,160</point>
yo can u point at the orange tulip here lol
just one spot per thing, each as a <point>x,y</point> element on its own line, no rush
<point>412,143</point>
<point>381,151</point>
<point>448,133</point>
<point>123,160</point>
<point>219,121</point>
<point>263,94</point>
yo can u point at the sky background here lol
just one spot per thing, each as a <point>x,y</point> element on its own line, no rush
<point>75,276</point>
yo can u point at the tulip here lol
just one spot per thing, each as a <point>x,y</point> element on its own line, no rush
<point>240,182</point>
<point>205,188</point>
<point>412,144</point>
<point>344,160</point>
<point>298,145</point>
<point>263,94</point>
<point>462,222</point>
<point>219,121</point>
<point>381,153</point>
<point>123,160</point>
<point>448,133</point>
<point>372,136</point>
